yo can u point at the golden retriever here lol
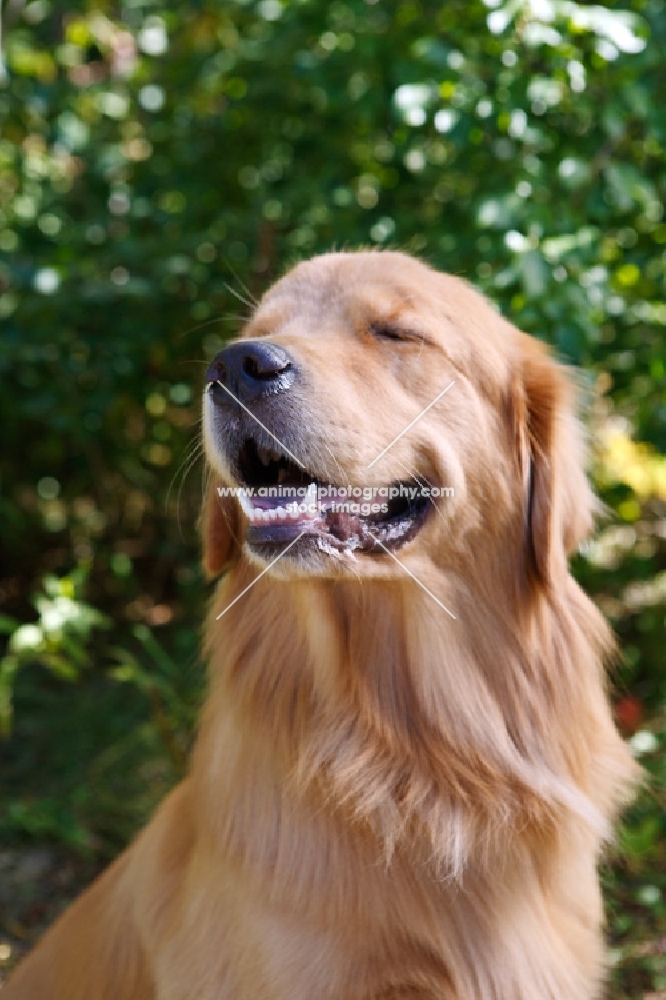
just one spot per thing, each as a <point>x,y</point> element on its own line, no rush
<point>407,766</point>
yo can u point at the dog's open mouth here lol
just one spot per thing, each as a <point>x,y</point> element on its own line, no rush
<point>283,501</point>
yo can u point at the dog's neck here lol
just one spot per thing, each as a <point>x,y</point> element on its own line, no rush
<point>369,695</point>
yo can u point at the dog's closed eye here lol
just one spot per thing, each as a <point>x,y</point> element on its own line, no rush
<point>387,330</point>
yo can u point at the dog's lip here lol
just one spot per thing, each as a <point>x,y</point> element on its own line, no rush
<point>335,524</point>
<point>345,535</point>
<point>282,501</point>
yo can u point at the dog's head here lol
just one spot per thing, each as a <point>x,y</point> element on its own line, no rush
<point>374,409</point>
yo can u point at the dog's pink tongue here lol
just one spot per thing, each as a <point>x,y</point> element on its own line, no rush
<point>345,526</point>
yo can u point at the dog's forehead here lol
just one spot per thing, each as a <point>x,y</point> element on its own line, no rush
<point>355,285</point>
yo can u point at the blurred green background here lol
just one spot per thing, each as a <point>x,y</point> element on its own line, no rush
<point>161,164</point>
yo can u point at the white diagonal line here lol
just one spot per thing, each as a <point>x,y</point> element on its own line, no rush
<point>414,578</point>
<point>283,553</point>
<point>421,414</point>
<point>256,419</point>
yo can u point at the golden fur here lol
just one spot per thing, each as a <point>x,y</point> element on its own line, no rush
<point>385,803</point>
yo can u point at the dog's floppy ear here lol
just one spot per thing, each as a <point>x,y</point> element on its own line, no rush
<point>219,529</point>
<point>559,504</point>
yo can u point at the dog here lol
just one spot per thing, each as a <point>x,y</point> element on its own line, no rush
<point>406,767</point>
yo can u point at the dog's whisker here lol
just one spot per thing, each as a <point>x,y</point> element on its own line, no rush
<point>221,318</point>
<point>237,295</point>
<point>253,299</point>
<point>196,454</point>
<point>192,451</point>
<point>343,474</point>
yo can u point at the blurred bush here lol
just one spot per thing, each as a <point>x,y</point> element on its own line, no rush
<point>159,165</point>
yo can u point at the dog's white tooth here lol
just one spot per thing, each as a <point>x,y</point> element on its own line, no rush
<point>263,454</point>
<point>246,503</point>
<point>282,475</point>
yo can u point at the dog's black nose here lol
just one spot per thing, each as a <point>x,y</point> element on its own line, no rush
<point>249,370</point>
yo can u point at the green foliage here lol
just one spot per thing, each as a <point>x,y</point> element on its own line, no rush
<point>58,640</point>
<point>159,166</point>
<point>636,886</point>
